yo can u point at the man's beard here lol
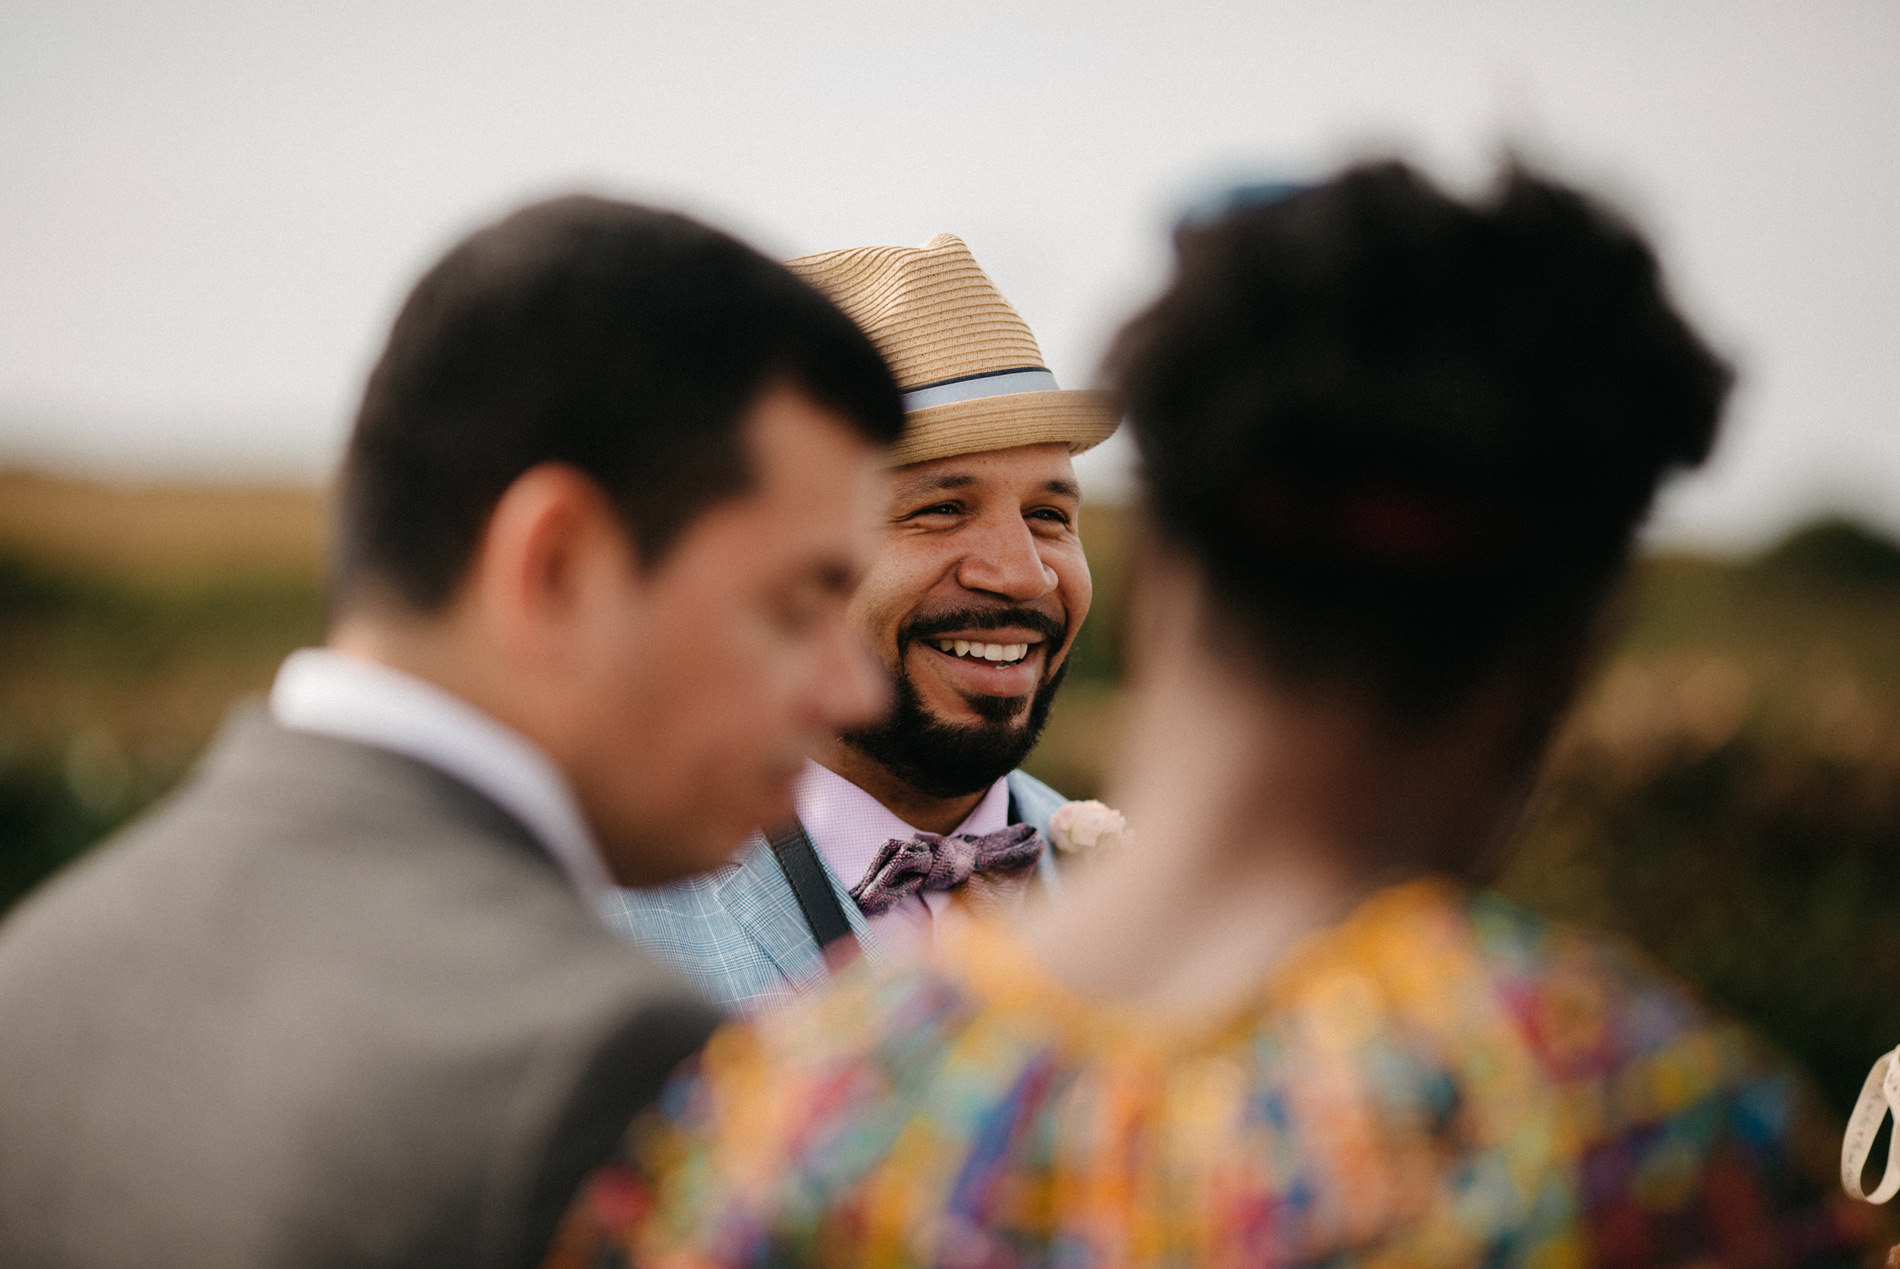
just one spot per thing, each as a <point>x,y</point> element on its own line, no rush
<point>947,760</point>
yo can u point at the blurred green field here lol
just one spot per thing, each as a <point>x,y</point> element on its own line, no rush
<point>130,619</point>
<point>1727,794</point>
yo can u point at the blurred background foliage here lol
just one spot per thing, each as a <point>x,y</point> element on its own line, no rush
<point>130,619</point>
<point>1727,794</point>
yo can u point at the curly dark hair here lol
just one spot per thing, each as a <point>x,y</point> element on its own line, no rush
<point>1407,437</point>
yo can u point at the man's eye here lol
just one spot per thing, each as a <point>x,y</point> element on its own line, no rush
<point>1053,515</point>
<point>938,509</point>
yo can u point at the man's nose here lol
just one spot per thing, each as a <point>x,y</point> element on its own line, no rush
<point>1003,560</point>
<point>852,685</point>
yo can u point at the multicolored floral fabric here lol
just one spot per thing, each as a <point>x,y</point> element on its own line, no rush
<point>1441,1079</point>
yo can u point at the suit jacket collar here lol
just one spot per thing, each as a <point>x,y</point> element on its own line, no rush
<point>325,692</point>
<point>252,750</point>
<point>756,893</point>
<point>760,901</point>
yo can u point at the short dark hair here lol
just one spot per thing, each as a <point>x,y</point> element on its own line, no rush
<point>626,341</point>
<point>1409,437</point>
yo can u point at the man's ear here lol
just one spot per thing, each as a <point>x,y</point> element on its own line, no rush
<point>549,539</point>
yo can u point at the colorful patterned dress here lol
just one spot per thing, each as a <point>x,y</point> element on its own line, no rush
<point>1441,1079</point>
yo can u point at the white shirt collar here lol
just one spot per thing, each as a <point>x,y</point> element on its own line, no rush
<point>324,691</point>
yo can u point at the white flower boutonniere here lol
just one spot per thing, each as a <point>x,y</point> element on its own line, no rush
<point>1079,828</point>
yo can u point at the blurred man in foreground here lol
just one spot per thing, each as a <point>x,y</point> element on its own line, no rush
<point>973,601</point>
<point>346,999</point>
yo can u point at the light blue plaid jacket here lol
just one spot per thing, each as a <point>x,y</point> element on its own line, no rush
<point>738,932</point>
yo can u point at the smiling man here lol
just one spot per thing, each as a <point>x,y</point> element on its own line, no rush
<point>973,602</point>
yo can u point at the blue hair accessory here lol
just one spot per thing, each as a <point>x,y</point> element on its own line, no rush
<point>1233,198</point>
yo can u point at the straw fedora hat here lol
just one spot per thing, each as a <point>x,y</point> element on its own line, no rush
<point>969,368</point>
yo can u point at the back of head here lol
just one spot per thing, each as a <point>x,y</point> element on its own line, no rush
<point>625,341</point>
<point>1409,438</point>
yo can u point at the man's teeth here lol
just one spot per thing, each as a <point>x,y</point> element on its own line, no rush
<point>1003,652</point>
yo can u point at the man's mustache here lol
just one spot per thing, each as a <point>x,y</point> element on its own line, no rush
<point>987,618</point>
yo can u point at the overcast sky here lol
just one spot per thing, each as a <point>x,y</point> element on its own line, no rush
<point>208,210</point>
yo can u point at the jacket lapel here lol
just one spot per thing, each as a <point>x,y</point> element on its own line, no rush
<point>854,914</point>
<point>761,903</point>
<point>1033,802</point>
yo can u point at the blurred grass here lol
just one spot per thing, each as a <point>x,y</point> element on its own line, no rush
<point>166,534</point>
<point>1727,793</point>
<point>130,619</point>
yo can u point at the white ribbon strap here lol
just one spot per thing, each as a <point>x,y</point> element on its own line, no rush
<point>1879,1095</point>
<point>1000,383</point>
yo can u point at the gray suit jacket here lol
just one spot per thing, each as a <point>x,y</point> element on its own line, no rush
<point>326,1006</point>
<point>739,933</point>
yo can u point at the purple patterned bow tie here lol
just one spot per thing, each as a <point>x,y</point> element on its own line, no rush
<point>906,865</point>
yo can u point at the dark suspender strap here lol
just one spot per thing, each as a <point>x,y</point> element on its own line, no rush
<point>813,890</point>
